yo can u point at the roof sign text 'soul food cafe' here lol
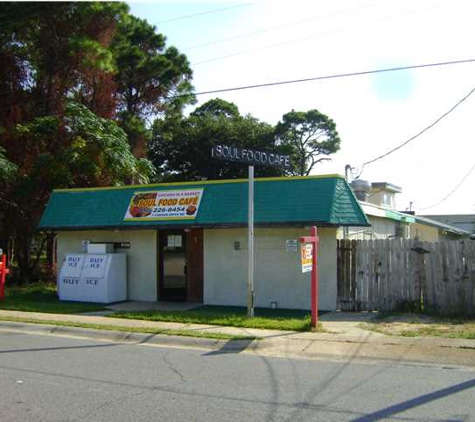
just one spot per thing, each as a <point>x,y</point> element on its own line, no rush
<point>182,204</point>
<point>249,156</point>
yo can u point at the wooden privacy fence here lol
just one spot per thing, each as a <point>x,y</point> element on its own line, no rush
<point>385,275</point>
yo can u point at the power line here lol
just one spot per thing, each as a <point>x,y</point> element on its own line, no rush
<point>293,81</point>
<point>451,192</point>
<point>273,28</point>
<point>334,76</point>
<point>417,134</point>
<point>294,40</point>
<point>204,13</point>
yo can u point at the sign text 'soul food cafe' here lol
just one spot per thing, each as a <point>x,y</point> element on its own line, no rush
<point>164,205</point>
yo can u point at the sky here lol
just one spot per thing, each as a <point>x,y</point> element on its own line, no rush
<point>234,44</point>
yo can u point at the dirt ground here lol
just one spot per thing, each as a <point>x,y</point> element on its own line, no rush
<point>413,325</point>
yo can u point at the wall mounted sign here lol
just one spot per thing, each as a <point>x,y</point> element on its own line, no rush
<point>117,245</point>
<point>291,245</point>
<point>179,204</point>
<point>121,245</point>
<point>249,156</point>
<point>84,244</point>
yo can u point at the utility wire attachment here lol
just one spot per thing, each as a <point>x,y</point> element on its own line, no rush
<point>451,192</point>
<point>417,134</point>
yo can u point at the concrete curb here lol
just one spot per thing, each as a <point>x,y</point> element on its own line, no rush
<point>401,351</point>
<point>125,337</point>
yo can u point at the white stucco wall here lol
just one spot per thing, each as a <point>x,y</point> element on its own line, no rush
<point>141,257</point>
<point>278,275</point>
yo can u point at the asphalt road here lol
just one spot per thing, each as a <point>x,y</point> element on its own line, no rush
<point>48,378</point>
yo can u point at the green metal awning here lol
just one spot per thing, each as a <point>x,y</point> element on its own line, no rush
<point>286,201</point>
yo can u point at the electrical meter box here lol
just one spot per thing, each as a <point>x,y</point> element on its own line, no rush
<point>93,277</point>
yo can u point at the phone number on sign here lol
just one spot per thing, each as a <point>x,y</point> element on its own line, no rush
<point>159,210</point>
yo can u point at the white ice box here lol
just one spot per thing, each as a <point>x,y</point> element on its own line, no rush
<point>93,277</point>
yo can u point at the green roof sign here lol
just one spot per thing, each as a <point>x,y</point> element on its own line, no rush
<point>285,201</point>
<point>170,204</point>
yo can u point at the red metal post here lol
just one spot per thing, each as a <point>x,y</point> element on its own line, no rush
<point>3,273</point>
<point>313,239</point>
<point>314,278</point>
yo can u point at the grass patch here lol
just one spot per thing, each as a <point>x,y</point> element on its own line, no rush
<point>423,325</point>
<point>142,330</point>
<point>42,298</point>
<point>230,316</point>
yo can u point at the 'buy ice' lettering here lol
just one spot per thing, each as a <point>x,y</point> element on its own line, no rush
<point>95,262</point>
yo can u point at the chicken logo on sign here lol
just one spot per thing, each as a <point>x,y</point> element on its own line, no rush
<point>142,204</point>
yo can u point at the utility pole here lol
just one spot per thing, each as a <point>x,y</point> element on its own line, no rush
<point>250,245</point>
<point>251,158</point>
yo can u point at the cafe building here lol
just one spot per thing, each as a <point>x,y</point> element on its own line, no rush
<point>187,242</point>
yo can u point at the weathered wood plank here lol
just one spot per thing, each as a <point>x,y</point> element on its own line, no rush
<point>442,299</point>
<point>369,277</point>
<point>340,282</point>
<point>354,284</point>
<point>382,268</point>
<point>360,276</point>
<point>470,276</point>
<point>429,294</point>
<point>459,294</point>
<point>414,273</point>
<point>398,287</point>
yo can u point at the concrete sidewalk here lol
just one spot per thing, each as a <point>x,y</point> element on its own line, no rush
<point>344,339</point>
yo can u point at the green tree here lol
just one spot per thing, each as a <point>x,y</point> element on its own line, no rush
<point>311,136</point>
<point>55,56</point>
<point>7,168</point>
<point>55,50</point>
<point>95,153</point>
<point>218,107</point>
<point>48,51</point>
<point>98,153</point>
<point>151,79</point>
<point>181,147</point>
